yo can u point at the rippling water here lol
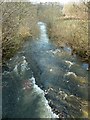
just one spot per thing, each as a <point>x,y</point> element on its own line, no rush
<point>43,81</point>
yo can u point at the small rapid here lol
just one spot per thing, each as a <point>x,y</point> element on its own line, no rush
<point>30,95</point>
<point>43,81</point>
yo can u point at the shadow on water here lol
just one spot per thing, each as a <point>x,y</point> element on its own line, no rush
<point>60,75</point>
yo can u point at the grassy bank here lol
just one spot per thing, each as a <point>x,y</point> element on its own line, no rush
<point>19,21</point>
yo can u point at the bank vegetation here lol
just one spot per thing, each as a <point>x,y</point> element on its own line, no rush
<point>69,25</point>
<point>19,21</point>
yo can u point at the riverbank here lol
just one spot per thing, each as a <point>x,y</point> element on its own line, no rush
<point>19,22</point>
<point>68,25</point>
<point>73,33</point>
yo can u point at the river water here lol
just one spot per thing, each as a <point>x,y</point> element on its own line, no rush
<point>42,81</point>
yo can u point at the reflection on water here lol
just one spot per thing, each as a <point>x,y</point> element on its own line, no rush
<point>42,81</point>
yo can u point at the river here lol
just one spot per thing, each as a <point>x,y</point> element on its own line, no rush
<point>43,81</point>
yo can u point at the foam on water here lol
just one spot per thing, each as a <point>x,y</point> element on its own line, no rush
<point>70,73</point>
<point>69,63</point>
<point>63,94</point>
<point>48,113</point>
<point>23,65</point>
<point>32,79</point>
<point>54,51</point>
<point>16,69</point>
<point>5,73</point>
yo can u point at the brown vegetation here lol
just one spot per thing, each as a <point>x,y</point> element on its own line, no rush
<point>78,11</point>
<point>69,26</point>
<point>19,20</point>
<point>66,25</point>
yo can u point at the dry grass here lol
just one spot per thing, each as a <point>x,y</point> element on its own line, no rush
<point>70,26</point>
<point>73,33</point>
<point>19,22</point>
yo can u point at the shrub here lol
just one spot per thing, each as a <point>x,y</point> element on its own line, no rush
<point>19,21</point>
